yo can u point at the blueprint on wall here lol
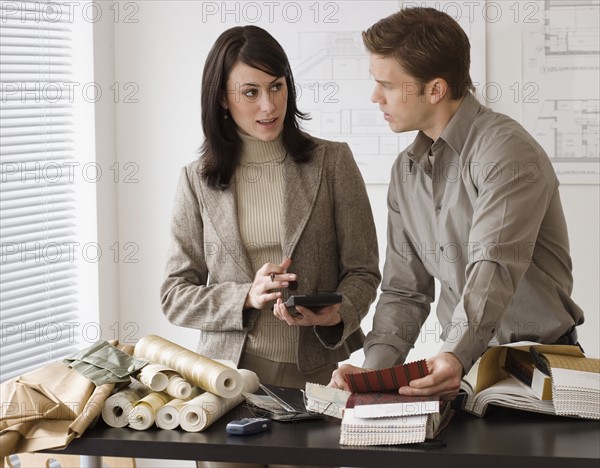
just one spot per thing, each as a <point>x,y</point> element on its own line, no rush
<point>561,67</point>
<point>331,68</point>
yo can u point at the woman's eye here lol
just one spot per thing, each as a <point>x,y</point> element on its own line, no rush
<point>250,93</point>
<point>277,87</point>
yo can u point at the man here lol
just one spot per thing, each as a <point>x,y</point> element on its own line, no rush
<point>473,202</point>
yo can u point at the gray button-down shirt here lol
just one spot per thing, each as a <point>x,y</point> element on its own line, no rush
<point>485,220</point>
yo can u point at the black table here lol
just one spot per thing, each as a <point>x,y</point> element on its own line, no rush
<point>504,439</point>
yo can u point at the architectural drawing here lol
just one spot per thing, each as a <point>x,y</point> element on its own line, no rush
<point>565,48</point>
<point>334,86</point>
<point>331,68</point>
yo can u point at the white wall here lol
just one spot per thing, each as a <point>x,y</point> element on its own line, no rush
<point>106,157</point>
<point>158,62</point>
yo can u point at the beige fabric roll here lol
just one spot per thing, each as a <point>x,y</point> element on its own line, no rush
<point>116,408</point>
<point>198,370</point>
<point>178,387</point>
<point>153,376</point>
<point>143,413</point>
<point>167,417</point>
<point>200,412</point>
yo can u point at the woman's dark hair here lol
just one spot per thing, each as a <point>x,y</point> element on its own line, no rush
<point>428,44</point>
<point>255,47</point>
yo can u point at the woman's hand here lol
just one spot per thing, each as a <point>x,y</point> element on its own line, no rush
<point>323,317</point>
<point>267,278</point>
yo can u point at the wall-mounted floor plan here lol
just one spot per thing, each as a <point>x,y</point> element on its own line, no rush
<point>571,128</point>
<point>565,119</point>
<point>334,86</point>
<point>572,27</point>
<point>331,68</point>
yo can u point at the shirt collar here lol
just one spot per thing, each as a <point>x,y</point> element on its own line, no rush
<point>417,153</point>
<point>454,135</point>
<point>456,132</point>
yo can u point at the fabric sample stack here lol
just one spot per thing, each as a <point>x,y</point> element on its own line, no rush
<point>575,385</point>
<point>382,431</point>
<point>387,418</point>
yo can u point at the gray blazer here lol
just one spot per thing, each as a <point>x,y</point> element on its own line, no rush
<point>328,231</point>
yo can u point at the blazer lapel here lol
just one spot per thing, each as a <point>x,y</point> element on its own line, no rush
<point>300,187</point>
<point>222,210</point>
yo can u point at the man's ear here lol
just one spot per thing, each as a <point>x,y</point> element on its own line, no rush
<point>438,90</point>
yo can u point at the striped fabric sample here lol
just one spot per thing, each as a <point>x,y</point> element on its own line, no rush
<point>386,380</point>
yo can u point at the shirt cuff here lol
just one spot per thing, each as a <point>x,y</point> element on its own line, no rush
<point>382,356</point>
<point>467,349</point>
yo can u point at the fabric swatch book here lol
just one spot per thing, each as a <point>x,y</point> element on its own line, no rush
<point>521,364</point>
<point>382,431</point>
<point>390,404</point>
<point>393,430</point>
<point>375,414</point>
<point>332,401</point>
<point>575,382</point>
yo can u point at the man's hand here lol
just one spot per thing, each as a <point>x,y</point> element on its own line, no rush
<point>443,381</point>
<point>337,378</point>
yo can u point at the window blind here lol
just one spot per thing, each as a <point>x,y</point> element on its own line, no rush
<point>38,271</point>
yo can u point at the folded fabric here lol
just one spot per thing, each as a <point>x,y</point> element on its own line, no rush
<point>104,363</point>
<point>50,406</point>
<point>47,408</point>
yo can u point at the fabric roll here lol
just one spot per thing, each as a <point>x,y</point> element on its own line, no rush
<point>200,412</point>
<point>198,370</point>
<point>143,413</point>
<point>178,387</point>
<point>192,416</point>
<point>154,376</point>
<point>167,417</point>
<point>116,408</point>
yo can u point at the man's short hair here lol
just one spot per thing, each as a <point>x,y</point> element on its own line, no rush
<point>428,44</point>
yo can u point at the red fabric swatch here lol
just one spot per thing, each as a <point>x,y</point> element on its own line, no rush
<point>387,380</point>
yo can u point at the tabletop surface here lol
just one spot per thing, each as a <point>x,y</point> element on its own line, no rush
<point>503,438</point>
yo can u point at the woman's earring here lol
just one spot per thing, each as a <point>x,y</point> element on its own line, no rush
<point>226,116</point>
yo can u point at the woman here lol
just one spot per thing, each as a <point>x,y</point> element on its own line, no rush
<point>263,191</point>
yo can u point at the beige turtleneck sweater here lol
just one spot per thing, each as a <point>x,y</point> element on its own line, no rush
<point>259,193</point>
